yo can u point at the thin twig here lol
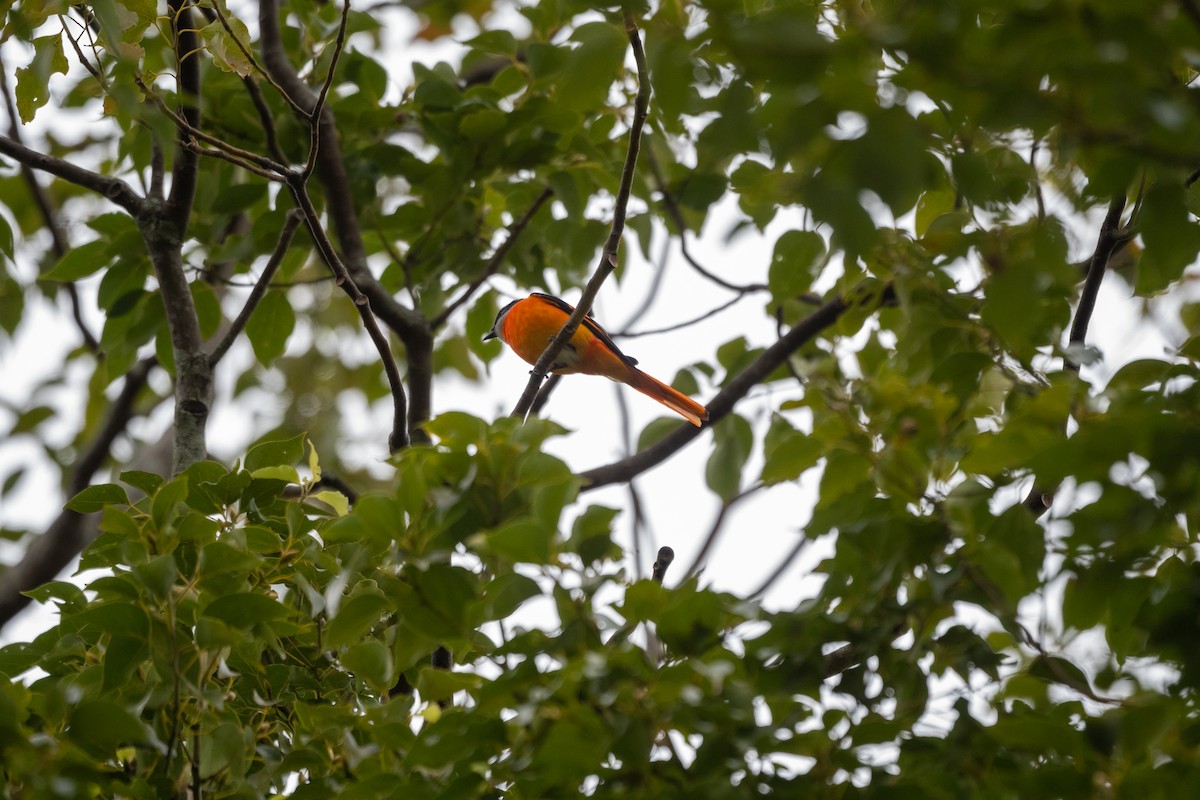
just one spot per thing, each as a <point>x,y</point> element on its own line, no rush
<point>249,56</point>
<point>265,165</point>
<point>784,564</point>
<point>290,224</point>
<point>315,114</point>
<point>543,395</point>
<point>399,437</point>
<point>608,256</point>
<point>676,215</point>
<point>638,526</point>
<point>655,287</point>
<point>679,325</point>
<point>494,262</point>
<point>717,525</point>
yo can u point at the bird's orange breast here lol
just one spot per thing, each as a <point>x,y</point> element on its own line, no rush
<point>532,323</point>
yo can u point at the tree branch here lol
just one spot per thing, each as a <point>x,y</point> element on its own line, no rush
<point>187,66</point>
<point>494,262</point>
<point>318,108</point>
<point>51,551</point>
<point>676,215</point>
<point>399,437</point>
<point>290,224</point>
<point>717,526</point>
<point>680,325</point>
<point>1039,499</point>
<point>608,256</point>
<point>723,403</point>
<point>114,189</point>
<point>409,324</point>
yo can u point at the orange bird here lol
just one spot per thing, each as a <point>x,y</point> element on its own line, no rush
<point>528,325</point>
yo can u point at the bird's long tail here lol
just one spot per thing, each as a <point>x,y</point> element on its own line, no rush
<point>678,402</point>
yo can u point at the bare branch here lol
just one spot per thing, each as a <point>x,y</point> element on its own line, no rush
<point>290,224</point>
<point>608,256</point>
<point>680,325</point>
<point>717,526</point>
<point>1040,498</point>
<point>254,162</point>
<point>114,189</point>
<point>784,564</point>
<point>722,404</point>
<point>494,262</point>
<point>676,215</point>
<point>399,437</point>
<point>544,393</point>
<point>187,66</point>
<point>318,107</point>
<point>409,324</point>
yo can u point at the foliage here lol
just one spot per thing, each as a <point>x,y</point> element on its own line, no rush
<point>252,631</point>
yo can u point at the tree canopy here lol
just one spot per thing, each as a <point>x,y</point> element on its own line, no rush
<point>228,203</point>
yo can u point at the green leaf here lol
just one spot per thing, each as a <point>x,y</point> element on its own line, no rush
<point>145,482</point>
<point>356,618</point>
<point>371,662</point>
<point>506,593</point>
<point>732,441</point>
<point>167,501</point>
<point>591,68</point>
<point>6,239</point>
<point>80,262</point>
<point>284,452</point>
<point>244,609</point>
<point>97,497</point>
<point>270,326</point>
<point>523,540</point>
<point>102,726</point>
<point>788,453</point>
<point>33,82</point>
<point>795,263</point>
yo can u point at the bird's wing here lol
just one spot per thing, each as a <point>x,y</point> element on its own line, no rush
<point>590,324</point>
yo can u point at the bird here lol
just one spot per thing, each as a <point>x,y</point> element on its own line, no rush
<point>528,325</point>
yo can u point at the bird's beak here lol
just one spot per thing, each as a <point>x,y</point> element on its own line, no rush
<point>490,335</point>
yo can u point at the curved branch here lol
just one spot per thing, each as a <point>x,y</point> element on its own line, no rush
<point>494,262</point>
<point>680,325</point>
<point>714,531</point>
<point>676,215</point>
<point>314,146</point>
<point>399,437</point>
<point>409,324</point>
<point>608,256</point>
<point>290,224</point>
<point>722,404</point>
<point>114,189</point>
<point>1040,498</point>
